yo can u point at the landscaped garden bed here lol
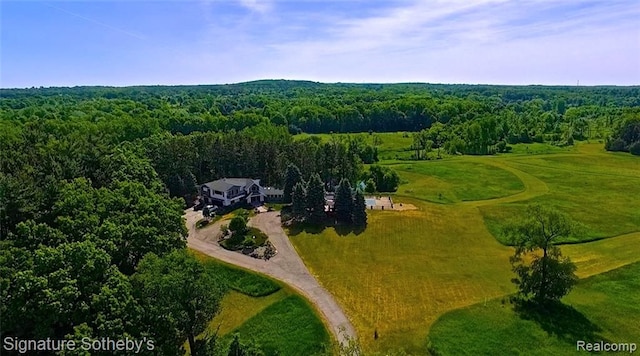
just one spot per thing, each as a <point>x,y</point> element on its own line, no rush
<point>246,240</point>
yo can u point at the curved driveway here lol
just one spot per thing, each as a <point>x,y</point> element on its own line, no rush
<point>285,266</point>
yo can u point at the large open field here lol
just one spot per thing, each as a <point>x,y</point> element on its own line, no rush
<point>409,268</point>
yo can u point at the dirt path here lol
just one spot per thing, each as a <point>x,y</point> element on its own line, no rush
<point>286,266</point>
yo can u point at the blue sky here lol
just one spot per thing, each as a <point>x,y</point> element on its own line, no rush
<point>143,42</point>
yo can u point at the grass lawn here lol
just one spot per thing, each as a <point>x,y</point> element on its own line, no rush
<point>253,237</point>
<point>603,307</point>
<point>409,268</point>
<point>257,307</point>
<point>287,326</point>
<point>455,180</point>
<point>406,269</point>
<point>604,255</point>
<point>237,308</point>
<point>238,279</point>
<point>600,191</point>
<point>539,148</point>
<point>391,145</point>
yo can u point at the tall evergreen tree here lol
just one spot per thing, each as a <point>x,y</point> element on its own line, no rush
<point>344,201</point>
<point>359,210</point>
<point>299,198</point>
<point>315,198</point>
<point>292,177</point>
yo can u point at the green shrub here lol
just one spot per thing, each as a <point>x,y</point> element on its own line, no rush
<point>238,225</point>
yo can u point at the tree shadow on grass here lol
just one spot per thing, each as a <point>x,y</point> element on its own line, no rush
<point>560,320</point>
<point>346,229</point>
<point>297,228</point>
<point>341,229</point>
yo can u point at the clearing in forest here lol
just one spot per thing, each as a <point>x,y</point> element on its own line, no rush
<point>408,268</point>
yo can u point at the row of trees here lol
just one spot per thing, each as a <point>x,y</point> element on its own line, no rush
<point>503,113</point>
<point>262,151</point>
<point>314,107</point>
<point>308,202</point>
<point>350,208</point>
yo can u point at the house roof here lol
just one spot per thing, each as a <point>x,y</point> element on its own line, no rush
<point>224,184</point>
<point>272,190</point>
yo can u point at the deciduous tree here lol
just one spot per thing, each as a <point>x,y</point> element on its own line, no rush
<point>179,296</point>
<point>548,276</point>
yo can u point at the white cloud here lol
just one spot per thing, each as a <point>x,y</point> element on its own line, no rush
<point>260,6</point>
<point>437,41</point>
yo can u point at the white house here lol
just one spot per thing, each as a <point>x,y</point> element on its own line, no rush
<point>229,191</point>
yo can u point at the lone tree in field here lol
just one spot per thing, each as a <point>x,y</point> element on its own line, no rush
<point>299,199</point>
<point>344,202</point>
<point>291,178</point>
<point>359,210</point>
<point>315,199</point>
<point>549,276</point>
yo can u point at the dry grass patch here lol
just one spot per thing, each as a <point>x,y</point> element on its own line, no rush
<point>236,308</point>
<point>406,269</point>
<point>604,255</point>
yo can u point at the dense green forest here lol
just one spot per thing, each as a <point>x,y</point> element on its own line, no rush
<point>92,179</point>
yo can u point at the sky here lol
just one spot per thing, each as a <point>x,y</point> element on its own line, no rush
<point>140,42</point>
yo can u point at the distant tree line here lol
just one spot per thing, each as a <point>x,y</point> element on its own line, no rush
<point>521,113</point>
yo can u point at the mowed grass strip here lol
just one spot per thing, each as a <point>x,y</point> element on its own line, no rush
<point>236,308</point>
<point>585,187</point>
<point>600,256</point>
<point>406,269</point>
<point>286,327</point>
<point>456,180</point>
<point>603,307</point>
<point>239,279</point>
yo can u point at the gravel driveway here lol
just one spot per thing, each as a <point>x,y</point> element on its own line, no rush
<point>285,266</point>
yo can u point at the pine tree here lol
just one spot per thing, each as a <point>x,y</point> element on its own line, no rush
<point>344,202</point>
<point>315,199</point>
<point>299,199</point>
<point>292,177</point>
<point>359,210</point>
